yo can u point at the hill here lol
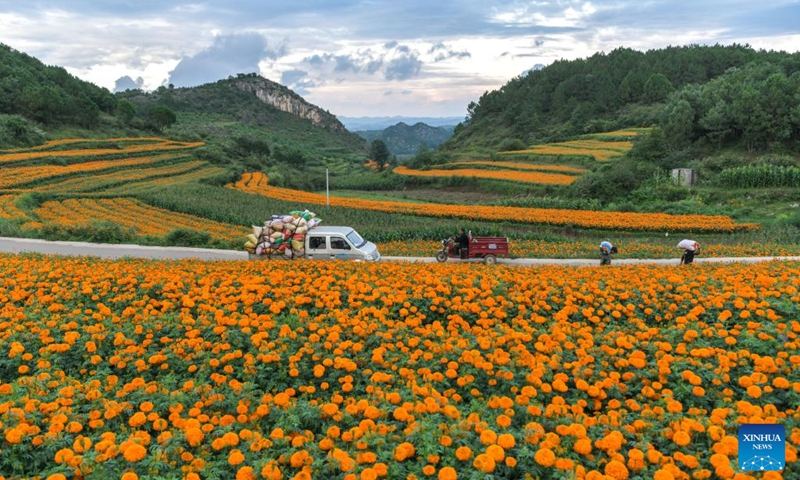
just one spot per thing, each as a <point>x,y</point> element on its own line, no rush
<point>254,119</point>
<point>403,139</point>
<point>31,91</point>
<point>625,88</point>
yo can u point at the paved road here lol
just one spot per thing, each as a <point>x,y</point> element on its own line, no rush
<point>105,250</point>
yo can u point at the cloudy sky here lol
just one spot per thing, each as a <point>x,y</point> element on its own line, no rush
<point>370,57</point>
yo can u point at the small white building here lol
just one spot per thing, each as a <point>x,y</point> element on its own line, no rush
<point>684,176</point>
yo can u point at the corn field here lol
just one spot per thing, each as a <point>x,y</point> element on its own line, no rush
<point>760,176</point>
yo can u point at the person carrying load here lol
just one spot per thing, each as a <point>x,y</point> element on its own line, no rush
<point>606,249</point>
<point>690,249</point>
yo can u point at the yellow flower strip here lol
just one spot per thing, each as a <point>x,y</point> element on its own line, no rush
<point>329,369</point>
<point>586,249</point>
<point>93,152</point>
<point>94,182</point>
<point>523,166</point>
<point>257,183</point>
<point>9,209</point>
<point>601,155</point>
<point>10,176</point>
<point>514,176</point>
<point>623,133</point>
<point>596,144</point>
<point>147,220</point>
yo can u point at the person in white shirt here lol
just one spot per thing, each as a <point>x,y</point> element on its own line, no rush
<point>690,249</point>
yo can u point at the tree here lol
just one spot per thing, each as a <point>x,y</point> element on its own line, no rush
<point>379,153</point>
<point>657,88</point>
<point>161,117</point>
<point>679,124</point>
<point>125,111</point>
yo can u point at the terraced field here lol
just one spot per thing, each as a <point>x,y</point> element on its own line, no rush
<point>116,167</point>
<point>602,147</point>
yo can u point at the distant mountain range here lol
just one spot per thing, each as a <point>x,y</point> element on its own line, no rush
<point>355,124</point>
<point>403,139</point>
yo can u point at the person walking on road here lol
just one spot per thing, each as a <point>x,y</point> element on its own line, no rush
<point>690,249</point>
<point>606,249</point>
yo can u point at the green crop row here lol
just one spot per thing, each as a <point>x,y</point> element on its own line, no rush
<point>760,176</point>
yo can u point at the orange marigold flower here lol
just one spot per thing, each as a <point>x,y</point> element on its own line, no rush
<point>506,440</point>
<point>583,446</point>
<point>488,437</point>
<point>545,457</point>
<point>194,436</point>
<point>64,455</point>
<point>754,391</point>
<point>682,438</point>
<point>663,475</point>
<point>245,473</point>
<point>271,472</point>
<point>134,453</point>
<point>404,451</point>
<point>617,470</point>
<point>504,421</point>
<point>463,453</point>
<point>130,476</point>
<point>369,473</point>
<point>14,435</point>
<point>235,457</point>
<point>448,473</point>
<point>484,463</point>
<point>780,382</point>
<point>496,452</point>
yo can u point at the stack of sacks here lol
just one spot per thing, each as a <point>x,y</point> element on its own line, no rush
<point>283,234</point>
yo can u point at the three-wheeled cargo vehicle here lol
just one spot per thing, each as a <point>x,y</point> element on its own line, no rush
<point>486,248</point>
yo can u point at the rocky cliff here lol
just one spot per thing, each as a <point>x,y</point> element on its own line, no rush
<point>280,97</point>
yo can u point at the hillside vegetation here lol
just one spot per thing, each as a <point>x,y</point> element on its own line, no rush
<point>628,88</point>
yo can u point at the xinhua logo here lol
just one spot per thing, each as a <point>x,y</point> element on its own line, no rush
<point>762,447</point>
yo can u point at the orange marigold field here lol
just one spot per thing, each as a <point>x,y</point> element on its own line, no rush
<point>565,148</point>
<point>129,213</point>
<point>149,145</point>
<point>11,176</point>
<point>257,183</point>
<point>522,166</point>
<point>9,209</point>
<point>140,369</point>
<point>511,175</point>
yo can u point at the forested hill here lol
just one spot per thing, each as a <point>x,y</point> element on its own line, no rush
<point>253,106</point>
<point>238,118</point>
<point>716,93</point>
<point>48,94</point>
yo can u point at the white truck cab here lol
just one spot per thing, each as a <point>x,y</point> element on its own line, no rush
<point>339,243</point>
